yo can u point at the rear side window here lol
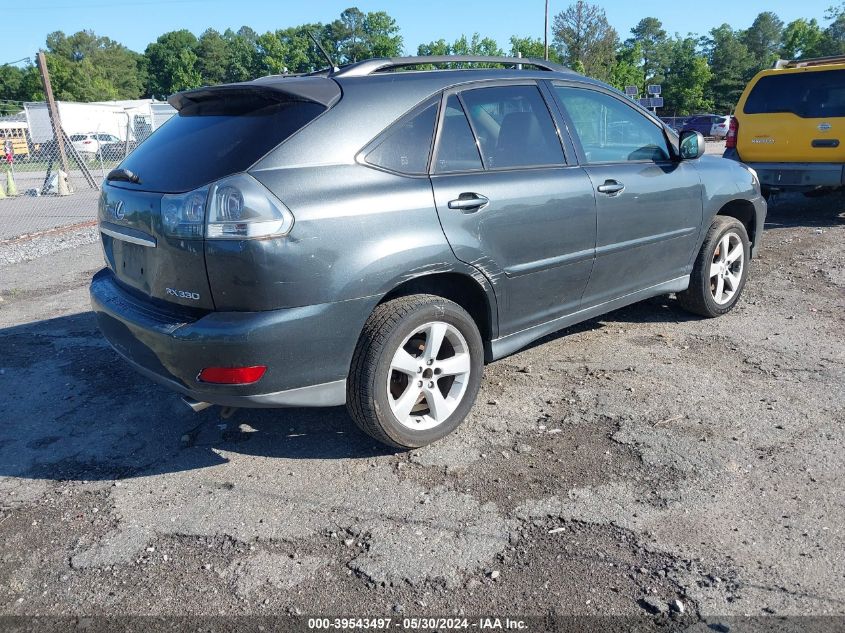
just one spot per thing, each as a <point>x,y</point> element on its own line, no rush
<point>810,95</point>
<point>456,149</point>
<point>514,127</point>
<point>407,146</point>
<point>212,139</point>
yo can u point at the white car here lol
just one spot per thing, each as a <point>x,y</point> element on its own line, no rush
<point>720,127</point>
<point>90,144</point>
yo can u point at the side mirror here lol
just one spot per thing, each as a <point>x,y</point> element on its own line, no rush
<point>692,145</point>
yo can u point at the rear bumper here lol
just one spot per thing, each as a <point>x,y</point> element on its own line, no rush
<point>307,350</point>
<point>795,176</point>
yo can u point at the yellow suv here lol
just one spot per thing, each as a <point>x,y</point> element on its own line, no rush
<point>789,126</point>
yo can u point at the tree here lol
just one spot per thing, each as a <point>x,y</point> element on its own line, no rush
<point>243,63</point>
<point>763,39</point>
<point>626,69</point>
<point>833,41</point>
<point>652,39</point>
<point>172,63</point>
<point>381,34</point>
<point>531,47</point>
<point>475,45</point>
<point>731,64</point>
<point>582,35</point>
<point>801,38</point>
<point>687,78</point>
<point>97,68</point>
<point>212,57</point>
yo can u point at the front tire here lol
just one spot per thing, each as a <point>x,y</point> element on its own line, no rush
<point>720,270</point>
<point>416,371</point>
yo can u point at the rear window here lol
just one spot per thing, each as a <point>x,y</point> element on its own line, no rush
<point>810,95</point>
<point>212,139</point>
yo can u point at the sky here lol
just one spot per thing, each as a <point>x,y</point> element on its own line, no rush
<point>136,24</point>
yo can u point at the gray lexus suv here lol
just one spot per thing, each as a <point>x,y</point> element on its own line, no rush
<point>371,237</point>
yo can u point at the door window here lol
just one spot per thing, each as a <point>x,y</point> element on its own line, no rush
<point>456,149</point>
<point>611,131</point>
<point>514,127</point>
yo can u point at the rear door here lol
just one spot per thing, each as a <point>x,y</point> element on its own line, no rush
<point>649,206</point>
<point>794,115</point>
<point>509,202</point>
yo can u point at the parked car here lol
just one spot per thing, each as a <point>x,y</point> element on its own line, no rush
<point>372,238</point>
<point>721,127</point>
<point>91,144</point>
<point>790,126</point>
<point>701,123</point>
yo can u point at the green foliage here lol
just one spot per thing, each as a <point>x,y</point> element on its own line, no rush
<point>732,65</point>
<point>626,69</point>
<point>531,47</point>
<point>172,64</point>
<point>654,48</point>
<point>763,39</point>
<point>801,38</point>
<point>687,78</point>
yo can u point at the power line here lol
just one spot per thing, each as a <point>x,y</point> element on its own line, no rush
<point>18,61</point>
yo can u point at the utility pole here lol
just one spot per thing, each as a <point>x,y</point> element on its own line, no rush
<point>55,121</point>
<point>546,34</point>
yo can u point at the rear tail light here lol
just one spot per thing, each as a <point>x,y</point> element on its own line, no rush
<point>237,207</point>
<point>240,207</point>
<point>733,132</point>
<point>232,375</point>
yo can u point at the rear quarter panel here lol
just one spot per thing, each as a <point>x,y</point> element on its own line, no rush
<point>358,232</point>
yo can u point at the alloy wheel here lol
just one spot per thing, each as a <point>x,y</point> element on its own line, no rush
<point>428,376</point>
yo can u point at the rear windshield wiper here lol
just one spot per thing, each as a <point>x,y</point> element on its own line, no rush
<point>124,175</point>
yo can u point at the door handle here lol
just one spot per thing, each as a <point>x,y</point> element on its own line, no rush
<point>611,187</point>
<point>469,202</point>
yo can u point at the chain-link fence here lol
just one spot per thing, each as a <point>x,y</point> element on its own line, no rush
<point>50,176</point>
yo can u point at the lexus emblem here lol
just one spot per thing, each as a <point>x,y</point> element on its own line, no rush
<point>824,127</point>
<point>116,210</point>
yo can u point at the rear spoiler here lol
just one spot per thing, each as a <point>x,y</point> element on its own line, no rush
<point>320,90</point>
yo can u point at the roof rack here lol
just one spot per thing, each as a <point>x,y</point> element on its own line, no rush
<point>803,63</point>
<point>371,66</point>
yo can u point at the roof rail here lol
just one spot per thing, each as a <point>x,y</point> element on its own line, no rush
<point>803,63</point>
<point>370,66</point>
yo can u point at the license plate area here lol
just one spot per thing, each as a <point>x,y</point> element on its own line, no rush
<point>131,261</point>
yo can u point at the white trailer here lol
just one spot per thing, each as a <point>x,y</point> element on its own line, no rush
<point>133,118</point>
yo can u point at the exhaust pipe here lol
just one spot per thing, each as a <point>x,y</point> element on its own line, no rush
<point>196,405</point>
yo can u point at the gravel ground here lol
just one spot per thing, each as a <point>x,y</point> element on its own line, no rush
<point>640,464</point>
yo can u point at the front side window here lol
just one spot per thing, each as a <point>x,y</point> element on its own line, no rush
<point>514,127</point>
<point>456,148</point>
<point>611,131</point>
<point>406,148</point>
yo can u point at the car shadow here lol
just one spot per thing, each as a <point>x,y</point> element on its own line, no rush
<point>792,210</point>
<point>75,411</point>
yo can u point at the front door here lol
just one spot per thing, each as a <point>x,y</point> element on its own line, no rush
<point>649,205</point>
<point>509,204</point>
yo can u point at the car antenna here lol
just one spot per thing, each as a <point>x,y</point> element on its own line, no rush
<point>332,65</point>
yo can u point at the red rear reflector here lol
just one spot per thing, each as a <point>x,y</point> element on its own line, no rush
<point>232,375</point>
<point>733,132</point>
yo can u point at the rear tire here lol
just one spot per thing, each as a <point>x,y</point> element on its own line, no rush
<point>416,371</point>
<point>720,270</point>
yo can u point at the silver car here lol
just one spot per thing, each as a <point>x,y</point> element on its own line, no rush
<point>371,237</point>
